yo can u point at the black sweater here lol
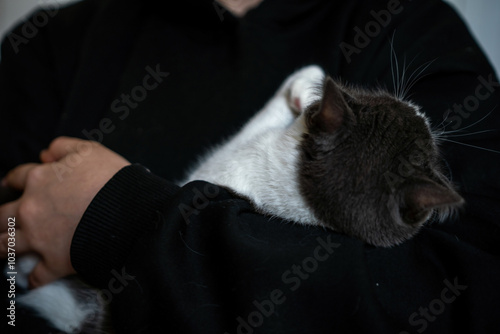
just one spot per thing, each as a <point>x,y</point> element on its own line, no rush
<point>159,82</point>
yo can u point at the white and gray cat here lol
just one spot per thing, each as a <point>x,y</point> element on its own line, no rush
<point>359,162</point>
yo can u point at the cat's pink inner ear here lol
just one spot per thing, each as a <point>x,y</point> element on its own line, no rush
<point>423,195</point>
<point>333,107</point>
<point>297,104</point>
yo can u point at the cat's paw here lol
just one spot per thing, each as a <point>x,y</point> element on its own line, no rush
<point>304,87</point>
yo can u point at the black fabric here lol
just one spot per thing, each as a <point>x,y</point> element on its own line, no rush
<point>202,260</point>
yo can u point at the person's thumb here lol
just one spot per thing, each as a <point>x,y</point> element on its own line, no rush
<point>62,146</point>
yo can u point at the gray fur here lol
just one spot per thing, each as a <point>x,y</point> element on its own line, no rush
<point>370,167</point>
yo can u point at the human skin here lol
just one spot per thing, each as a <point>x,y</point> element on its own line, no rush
<point>239,7</point>
<point>55,195</point>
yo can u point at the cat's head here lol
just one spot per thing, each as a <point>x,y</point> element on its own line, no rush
<point>370,167</point>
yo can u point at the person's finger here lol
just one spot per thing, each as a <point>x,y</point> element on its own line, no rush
<point>46,156</point>
<point>16,178</point>
<point>41,275</point>
<point>62,146</point>
<point>8,215</point>
<point>16,242</point>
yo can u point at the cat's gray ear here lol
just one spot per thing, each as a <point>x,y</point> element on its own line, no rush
<point>421,196</point>
<point>333,109</point>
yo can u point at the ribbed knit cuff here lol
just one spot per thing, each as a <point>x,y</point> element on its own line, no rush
<point>123,210</point>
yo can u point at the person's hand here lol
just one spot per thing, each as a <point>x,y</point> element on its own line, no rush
<point>55,196</point>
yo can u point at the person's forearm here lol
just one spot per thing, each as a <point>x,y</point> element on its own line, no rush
<point>124,210</point>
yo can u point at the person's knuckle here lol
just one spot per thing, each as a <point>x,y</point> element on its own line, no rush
<point>58,141</point>
<point>85,147</point>
<point>28,210</point>
<point>35,175</point>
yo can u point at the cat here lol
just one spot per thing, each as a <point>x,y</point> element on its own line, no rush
<point>359,162</point>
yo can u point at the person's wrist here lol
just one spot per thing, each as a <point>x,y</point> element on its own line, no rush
<point>121,212</point>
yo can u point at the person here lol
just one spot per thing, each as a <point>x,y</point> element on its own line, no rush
<point>106,103</point>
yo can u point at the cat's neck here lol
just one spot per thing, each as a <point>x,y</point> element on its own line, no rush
<point>272,182</point>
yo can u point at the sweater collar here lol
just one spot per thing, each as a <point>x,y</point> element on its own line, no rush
<point>212,13</point>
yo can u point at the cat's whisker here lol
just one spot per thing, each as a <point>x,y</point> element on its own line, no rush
<point>392,66</point>
<point>442,133</point>
<point>471,125</point>
<point>441,126</point>
<point>470,145</point>
<point>402,79</point>
<point>438,137</point>
<point>401,93</point>
<point>412,81</point>
<point>403,83</point>
<point>466,134</point>
<point>394,61</point>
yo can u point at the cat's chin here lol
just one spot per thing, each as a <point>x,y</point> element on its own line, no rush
<point>393,240</point>
<point>383,233</point>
